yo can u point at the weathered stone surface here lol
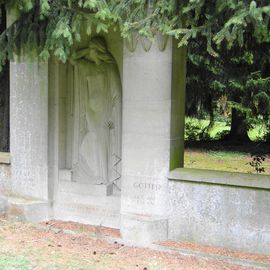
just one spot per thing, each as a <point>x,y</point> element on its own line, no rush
<point>29,128</point>
<point>85,189</point>
<point>141,230</point>
<point>90,207</point>
<point>247,180</point>
<point>148,137</point>
<point>220,215</point>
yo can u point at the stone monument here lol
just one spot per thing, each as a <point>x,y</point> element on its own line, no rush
<point>67,136</point>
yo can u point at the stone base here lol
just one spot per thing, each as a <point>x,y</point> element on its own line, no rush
<point>89,204</point>
<point>143,231</point>
<point>21,209</point>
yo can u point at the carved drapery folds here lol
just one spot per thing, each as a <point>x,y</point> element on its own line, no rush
<point>96,153</point>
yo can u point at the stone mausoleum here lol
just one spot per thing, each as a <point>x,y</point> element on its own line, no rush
<point>99,140</point>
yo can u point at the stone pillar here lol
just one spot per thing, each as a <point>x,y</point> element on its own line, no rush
<point>28,125</point>
<point>29,128</point>
<point>153,117</point>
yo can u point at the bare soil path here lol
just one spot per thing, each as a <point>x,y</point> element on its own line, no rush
<point>71,246</point>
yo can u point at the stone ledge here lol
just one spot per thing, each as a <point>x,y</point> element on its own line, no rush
<point>220,178</point>
<point>4,158</point>
<point>140,230</point>
<point>20,208</point>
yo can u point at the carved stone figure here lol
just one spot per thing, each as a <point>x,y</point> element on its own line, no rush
<point>97,134</point>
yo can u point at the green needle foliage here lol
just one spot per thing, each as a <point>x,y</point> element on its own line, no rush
<point>51,27</point>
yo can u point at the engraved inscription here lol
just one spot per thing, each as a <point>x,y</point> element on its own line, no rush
<point>147,186</point>
<point>142,200</point>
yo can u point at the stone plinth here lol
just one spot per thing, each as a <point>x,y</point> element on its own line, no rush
<point>87,204</point>
<point>141,230</point>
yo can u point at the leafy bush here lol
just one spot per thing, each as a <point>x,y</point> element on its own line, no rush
<point>192,132</point>
<point>196,130</point>
<point>267,133</point>
<point>221,134</point>
<point>257,162</point>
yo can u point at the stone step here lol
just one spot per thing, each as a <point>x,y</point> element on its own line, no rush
<point>85,188</point>
<point>22,209</point>
<point>111,202</point>
<point>88,209</point>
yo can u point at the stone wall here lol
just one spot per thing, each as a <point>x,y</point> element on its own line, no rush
<point>220,209</point>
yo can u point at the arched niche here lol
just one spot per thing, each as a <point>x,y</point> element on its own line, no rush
<point>62,112</point>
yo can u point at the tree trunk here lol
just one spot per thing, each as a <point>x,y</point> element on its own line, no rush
<point>239,129</point>
<point>210,109</point>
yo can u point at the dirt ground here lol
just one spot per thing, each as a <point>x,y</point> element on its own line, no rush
<point>62,246</point>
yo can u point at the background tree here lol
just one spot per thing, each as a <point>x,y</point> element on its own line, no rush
<point>205,82</point>
<point>52,27</point>
<point>248,90</point>
<point>240,74</point>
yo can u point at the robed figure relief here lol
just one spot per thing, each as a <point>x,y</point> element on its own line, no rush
<point>97,122</point>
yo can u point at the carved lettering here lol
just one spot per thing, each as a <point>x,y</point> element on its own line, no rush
<point>147,186</point>
<point>143,201</point>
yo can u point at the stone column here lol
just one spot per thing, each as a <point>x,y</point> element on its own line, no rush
<point>28,125</point>
<point>153,115</point>
<point>29,128</point>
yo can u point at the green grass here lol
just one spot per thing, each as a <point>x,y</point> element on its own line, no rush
<point>226,154</point>
<point>222,161</point>
<point>13,263</point>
